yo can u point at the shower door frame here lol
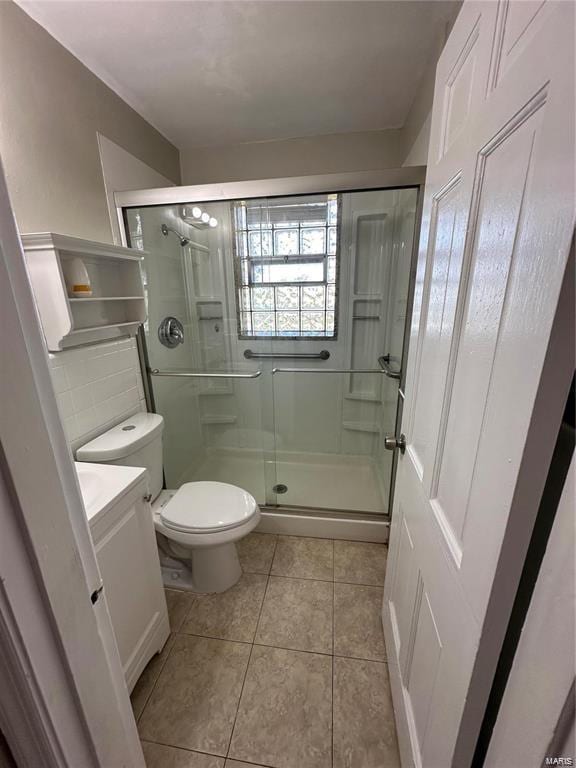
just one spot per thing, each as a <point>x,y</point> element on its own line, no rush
<point>370,526</point>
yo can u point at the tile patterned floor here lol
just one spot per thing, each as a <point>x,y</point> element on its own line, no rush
<point>285,670</point>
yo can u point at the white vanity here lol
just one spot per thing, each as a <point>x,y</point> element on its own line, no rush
<point>120,521</point>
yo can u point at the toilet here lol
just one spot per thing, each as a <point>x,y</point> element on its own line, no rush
<point>198,525</point>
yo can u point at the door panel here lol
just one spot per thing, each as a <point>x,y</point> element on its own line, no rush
<point>404,591</point>
<point>448,222</point>
<point>423,670</point>
<point>499,212</point>
<point>497,222</point>
<point>432,579</point>
<point>515,26</point>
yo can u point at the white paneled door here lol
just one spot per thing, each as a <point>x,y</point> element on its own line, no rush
<point>486,380</point>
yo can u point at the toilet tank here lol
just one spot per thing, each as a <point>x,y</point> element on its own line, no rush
<point>135,442</point>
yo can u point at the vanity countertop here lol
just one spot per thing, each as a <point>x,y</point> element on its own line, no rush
<point>102,485</point>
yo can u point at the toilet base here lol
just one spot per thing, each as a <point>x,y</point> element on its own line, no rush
<point>209,569</point>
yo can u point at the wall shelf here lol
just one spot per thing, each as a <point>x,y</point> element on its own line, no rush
<point>117,307</point>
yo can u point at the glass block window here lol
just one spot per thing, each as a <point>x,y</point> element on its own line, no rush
<point>286,266</point>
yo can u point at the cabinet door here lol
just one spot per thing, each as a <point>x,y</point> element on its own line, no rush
<point>126,550</point>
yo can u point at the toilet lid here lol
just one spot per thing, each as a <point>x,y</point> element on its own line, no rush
<point>205,507</point>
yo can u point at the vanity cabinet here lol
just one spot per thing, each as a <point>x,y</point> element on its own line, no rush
<point>125,543</point>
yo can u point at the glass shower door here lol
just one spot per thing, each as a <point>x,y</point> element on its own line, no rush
<point>331,416</point>
<point>210,398</point>
<point>275,337</point>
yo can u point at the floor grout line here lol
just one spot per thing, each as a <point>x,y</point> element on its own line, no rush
<point>333,649</point>
<point>188,612</point>
<point>250,656</point>
<point>184,749</point>
<point>214,637</point>
<point>279,647</point>
<point>325,581</point>
<point>295,650</point>
<point>156,681</point>
<point>298,578</point>
<point>175,632</point>
<point>332,654</point>
<point>201,752</point>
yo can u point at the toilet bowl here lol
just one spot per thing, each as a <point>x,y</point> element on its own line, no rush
<point>201,522</point>
<point>198,525</point>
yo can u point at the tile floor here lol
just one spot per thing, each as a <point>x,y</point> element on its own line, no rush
<point>285,670</point>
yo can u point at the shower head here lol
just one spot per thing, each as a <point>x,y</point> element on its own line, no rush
<point>183,240</point>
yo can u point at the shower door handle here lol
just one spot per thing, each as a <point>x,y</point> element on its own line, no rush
<point>384,363</point>
<point>326,370</point>
<point>204,374</point>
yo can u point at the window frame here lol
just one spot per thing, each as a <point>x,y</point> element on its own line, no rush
<point>314,258</point>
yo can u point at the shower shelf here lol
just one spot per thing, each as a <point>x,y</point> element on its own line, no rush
<point>218,419</point>
<point>361,426</point>
<point>364,397</point>
<point>106,298</point>
<point>118,307</point>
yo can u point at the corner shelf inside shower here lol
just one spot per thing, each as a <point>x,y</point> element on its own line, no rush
<point>117,305</point>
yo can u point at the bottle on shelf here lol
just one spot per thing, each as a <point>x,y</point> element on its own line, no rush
<point>77,279</point>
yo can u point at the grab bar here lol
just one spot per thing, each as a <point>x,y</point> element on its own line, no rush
<point>323,355</point>
<point>204,374</point>
<point>383,362</point>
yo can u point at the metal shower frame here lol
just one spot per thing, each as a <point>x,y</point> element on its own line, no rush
<point>391,178</point>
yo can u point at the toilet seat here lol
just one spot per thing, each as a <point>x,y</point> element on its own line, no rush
<point>208,507</point>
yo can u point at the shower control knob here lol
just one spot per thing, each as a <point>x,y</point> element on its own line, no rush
<point>391,443</point>
<point>171,332</point>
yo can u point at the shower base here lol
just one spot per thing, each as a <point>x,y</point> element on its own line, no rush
<point>313,481</point>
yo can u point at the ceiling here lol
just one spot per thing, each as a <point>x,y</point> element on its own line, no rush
<point>225,72</point>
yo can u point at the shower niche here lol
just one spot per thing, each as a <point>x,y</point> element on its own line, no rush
<point>211,336</point>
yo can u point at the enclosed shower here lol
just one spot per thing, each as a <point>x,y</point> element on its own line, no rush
<point>275,340</point>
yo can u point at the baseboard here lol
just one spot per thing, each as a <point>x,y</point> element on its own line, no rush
<point>408,757</point>
<point>323,527</point>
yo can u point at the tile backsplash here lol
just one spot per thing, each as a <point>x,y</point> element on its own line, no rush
<point>97,386</point>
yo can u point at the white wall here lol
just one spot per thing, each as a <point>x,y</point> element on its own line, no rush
<point>52,107</point>
<point>96,386</point>
<point>100,385</point>
<point>418,153</point>
<point>122,171</point>
<point>335,153</point>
